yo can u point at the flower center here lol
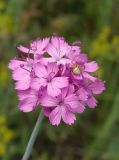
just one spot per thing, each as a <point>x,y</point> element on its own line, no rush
<point>61,103</point>
<point>76,69</point>
<point>50,77</point>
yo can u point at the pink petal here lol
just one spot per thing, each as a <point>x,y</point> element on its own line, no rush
<point>21,74</point>
<point>22,85</point>
<point>79,109</point>
<point>88,76</point>
<point>38,82</point>
<point>83,58</point>
<point>44,44</point>
<point>23,94</point>
<point>91,66</point>
<point>60,82</point>
<point>92,102</point>
<point>48,101</point>
<point>28,104</point>
<point>53,90</point>
<point>55,116</point>
<point>71,89</point>
<point>67,90</point>
<point>97,87</point>
<point>72,101</point>
<point>40,71</point>
<point>46,60</point>
<point>67,116</point>
<point>47,111</point>
<point>39,46</point>
<point>52,51</point>
<point>64,48</point>
<point>73,51</point>
<point>58,48</point>
<point>14,64</point>
<point>82,94</point>
<point>52,68</point>
<point>64,61</point>
<point>24,49</point>
<point>64,92</point>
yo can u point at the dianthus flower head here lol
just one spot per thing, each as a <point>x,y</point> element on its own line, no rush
<point>57,76</point>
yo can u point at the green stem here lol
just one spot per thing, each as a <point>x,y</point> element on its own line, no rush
<point>33,137</point>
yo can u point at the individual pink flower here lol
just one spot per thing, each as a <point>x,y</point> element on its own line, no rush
<point>37,47</point>
<point>82,68</point>
<point>47,76</point>
<point>96,87</point>
<point>72,52</point>
<point>62,107</point>
<point>88,90</point>
<point>57,49</point>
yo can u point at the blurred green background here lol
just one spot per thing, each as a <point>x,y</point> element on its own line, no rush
<point>95,134</point>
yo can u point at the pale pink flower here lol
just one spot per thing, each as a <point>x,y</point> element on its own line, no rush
<point>84,67</point>
<point>57,49</point>
<point>47,76</point>
<point>37,47</point>
<point>88,90</point>
<point>62,107</point>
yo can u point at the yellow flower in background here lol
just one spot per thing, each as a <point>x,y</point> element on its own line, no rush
<point>7,22</point>
<point>2,120</point>
<point>101,45</point>
<point>115,41</point>
<point>2,149</point>
<point>104,46</point>
<point>115,44</point>
<point>103,36</point>
<point>2,4</point>
<point>4,74</point>
<point>6,135</point>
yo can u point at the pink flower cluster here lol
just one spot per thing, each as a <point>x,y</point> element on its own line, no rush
<point>56,76</point>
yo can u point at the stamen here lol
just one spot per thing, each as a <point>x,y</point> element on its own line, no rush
<point>76,69</point>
